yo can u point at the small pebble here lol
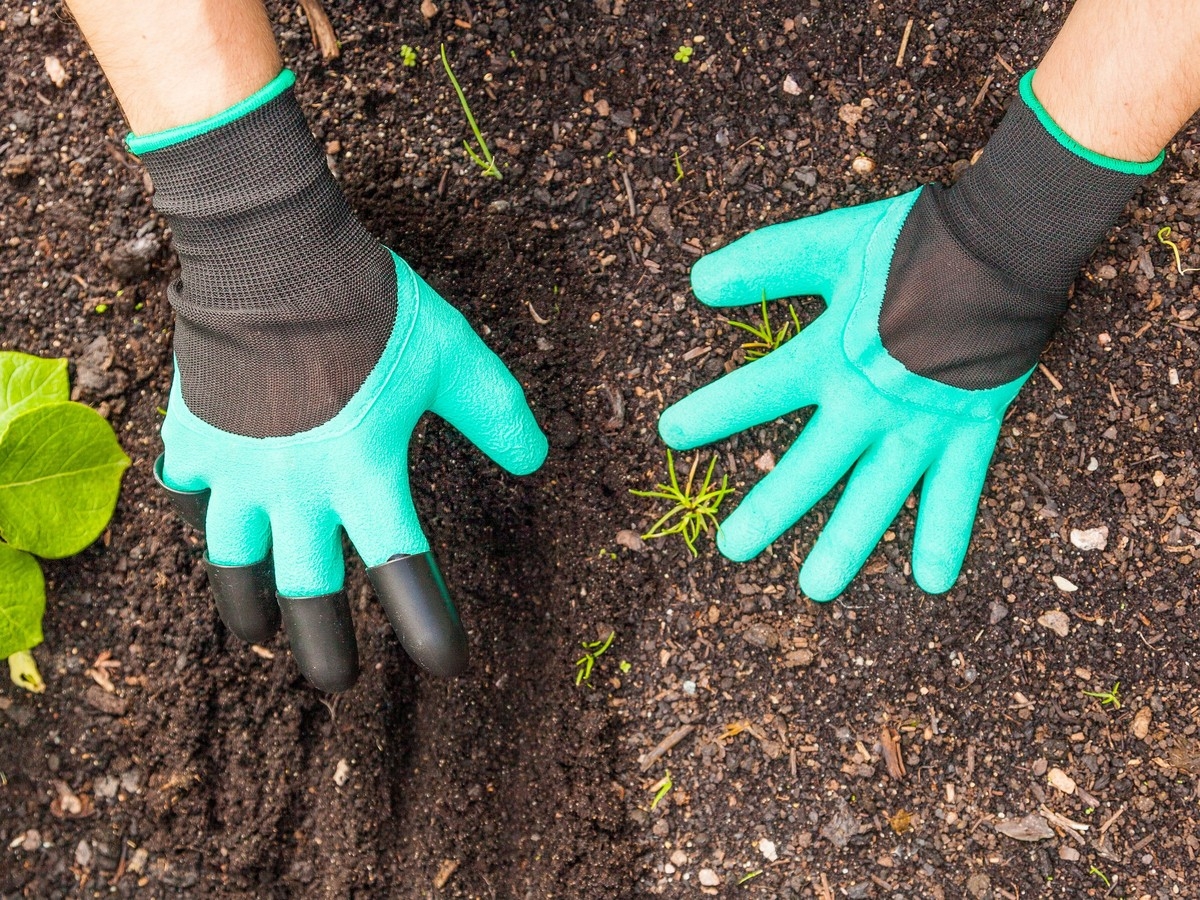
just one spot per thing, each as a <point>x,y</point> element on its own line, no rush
<point>679,858</point>
<point>1064,585</point>
<point>998,612</point>
<point>1056,620</point>
<point>689,688</point>
<point>709,878</point>
<point>1090,538</point>
<point>863,165</point>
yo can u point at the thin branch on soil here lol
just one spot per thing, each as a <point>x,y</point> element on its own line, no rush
<point>324,37</point>
<point>665,745</point>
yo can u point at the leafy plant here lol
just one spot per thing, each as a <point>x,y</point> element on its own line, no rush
<point>60,472</point>
<point>484,161</point>
<point>408,56</point>
<point>592,651</point>
<point>1111,697</point>
<point>691,512</point>
<point>684,54</point>
<point>767,337</point>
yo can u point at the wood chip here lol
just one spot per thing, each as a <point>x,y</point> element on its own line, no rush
<point>98,698</point>
<point>1031,828</point>
<point>55,71</point>
<point>904,44</point>
<point>1056,620</point>
<point>893,755</point>
<point>429,9</point>
<point>444,873</point>
<point>1140,726</point>
<point>665,745</point>
<point>324,37</point>
<point>1061,780</point>
<point>1072,829</point>
<point>630,540</point>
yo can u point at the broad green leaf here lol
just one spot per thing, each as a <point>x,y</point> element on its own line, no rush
<point>28,381</point>
<point>22,601</point>
<point>60,471</point>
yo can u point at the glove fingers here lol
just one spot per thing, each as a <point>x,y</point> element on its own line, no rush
<point>806,473</point>
<point>756,393</point>
<point>481,398</point>
<point>878,487</point>
<point>946,511</point>
<point>807,256</point>
<point>238,560</point>
<point>321,634</point>
<point>387,535</point>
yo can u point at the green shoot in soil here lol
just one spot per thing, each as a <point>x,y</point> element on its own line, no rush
<point>767,338</point>
<point>750,875</point>
<point>592,651</point>
<point>683,54</point>
<point>1163,234</point>
<point>1111,697</point>
<point>691,512</point>
<point>679,173</point>
<point>485,162</point>
<point>661,789</point>
<point>408,56</point>
<point>1095,871</point>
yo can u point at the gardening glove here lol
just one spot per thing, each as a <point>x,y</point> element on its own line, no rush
<point>938,303</point>
<point>305,353</point>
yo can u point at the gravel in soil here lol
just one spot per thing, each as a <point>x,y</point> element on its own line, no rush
<point>890,744</point>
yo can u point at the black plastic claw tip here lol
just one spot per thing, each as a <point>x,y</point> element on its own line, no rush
<point>321,634</point>
<point>245,598</point>
<point>191,505</point>
<point>416,601</point>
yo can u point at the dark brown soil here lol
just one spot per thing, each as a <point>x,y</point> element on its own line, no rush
<point>211,771</point>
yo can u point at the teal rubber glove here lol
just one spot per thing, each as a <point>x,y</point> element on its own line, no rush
<point>938,305</point>
<point>885,426</point>
<point>305,353</point>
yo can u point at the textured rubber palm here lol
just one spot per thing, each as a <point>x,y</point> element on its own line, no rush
<point>293,496</point>
<point>875,420</point>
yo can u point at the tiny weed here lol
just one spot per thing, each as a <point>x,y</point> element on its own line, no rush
<point>749,876</point>
<point>661,789</point>
<point>485,162</point>
<point>679,173</point>
<point>691,512</point>
<point>1111,697</point>
<point>683,54</point>
<point>1163,234</point>
<point>592,651</point>
<point>605,553</point>
<point>101,308</point>
<point>767,338</point>
<point>1095,871</point>
<point>408,55</point>
<point>625,665</point>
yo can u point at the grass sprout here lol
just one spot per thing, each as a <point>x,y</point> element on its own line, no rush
<point>1111,697</point>
<point>1163,234</point>
<point>592,651</point>
<point>483,158</point>
<point>766,336</point>
<point>661,789</point>
<point>693,510</point>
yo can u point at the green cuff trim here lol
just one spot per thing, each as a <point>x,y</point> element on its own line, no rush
<point>148,143</point>
<point>1124,166</point>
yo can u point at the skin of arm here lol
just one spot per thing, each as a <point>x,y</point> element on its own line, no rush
<point>180,61</point>
<point>1123,76</point>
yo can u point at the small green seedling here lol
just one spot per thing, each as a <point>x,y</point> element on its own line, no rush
<point>605,553</point>
<point>60,472</point>
<point>408,55</point>
<point>661,789</point>
<point>1163,234</point>
<point>1111,697</point>
<point>625,666</point>
<point>1096,871</point>
<point>684,54</point>
<point>485,162</point>
<point>679,173</point>
<point>592,651</point>
<point>767,338</point>
<point>749,876</point>
<point>691,512</point>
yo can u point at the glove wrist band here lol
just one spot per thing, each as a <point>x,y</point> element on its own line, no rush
<point>285,303</point>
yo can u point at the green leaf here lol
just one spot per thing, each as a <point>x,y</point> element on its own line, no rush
<point>22,601</point>
<point>60,471</point>
<point>29,381</point>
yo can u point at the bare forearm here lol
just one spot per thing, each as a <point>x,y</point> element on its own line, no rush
<point>1123,76</point>
<point>173,62</point>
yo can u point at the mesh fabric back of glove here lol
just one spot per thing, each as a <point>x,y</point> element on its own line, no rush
<point>284,303</point>
<point>981,270</point>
